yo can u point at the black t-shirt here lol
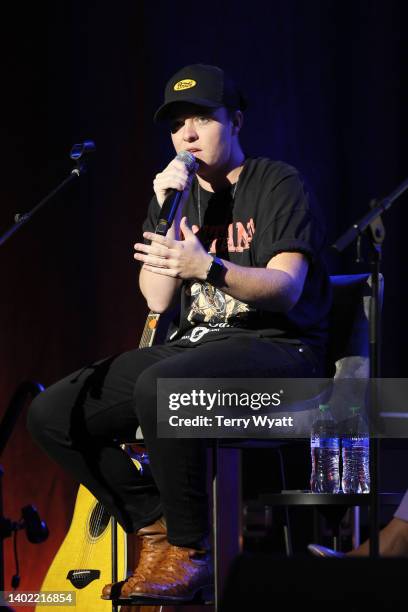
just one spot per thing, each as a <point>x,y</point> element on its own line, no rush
<point>267,212</point>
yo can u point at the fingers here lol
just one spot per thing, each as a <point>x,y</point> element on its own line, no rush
<point>163,252</point>
<point>170,180</point>
<point>158,256</point>
<point>159,240</point>
<point>161,271</point>
<point>153,249</point>
<point>159,252</point>
<point>154,254</point>
<point>184,226</point>
<point>170,257</point>
<point>153,261</point>
<point>174,176</point>
<point>157,263</point>
<point>169,243</point>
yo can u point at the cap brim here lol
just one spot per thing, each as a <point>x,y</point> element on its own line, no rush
<point>165,110</point>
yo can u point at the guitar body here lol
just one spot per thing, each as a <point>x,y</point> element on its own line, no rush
<point>83,561</point>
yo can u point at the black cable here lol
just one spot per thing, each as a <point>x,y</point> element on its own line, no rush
<point>15,581</point>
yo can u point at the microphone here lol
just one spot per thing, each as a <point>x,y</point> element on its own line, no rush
<point>36,529</point>
<point>172,201</point>
<point>81,149</point>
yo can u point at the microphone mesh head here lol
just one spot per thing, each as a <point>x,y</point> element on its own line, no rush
<point>188,159</point>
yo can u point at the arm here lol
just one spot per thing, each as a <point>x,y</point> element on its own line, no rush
<point>159,291</point>
<point>162,291</point>
<point>276,287</point>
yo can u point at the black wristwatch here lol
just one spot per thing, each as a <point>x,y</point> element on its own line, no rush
<point>216,271</point>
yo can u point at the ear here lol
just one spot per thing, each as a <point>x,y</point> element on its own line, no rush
<point>237,121</point>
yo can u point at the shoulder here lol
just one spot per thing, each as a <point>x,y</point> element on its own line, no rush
<point>278,190</point>
<point>267,171</point>
<point>275,185</point>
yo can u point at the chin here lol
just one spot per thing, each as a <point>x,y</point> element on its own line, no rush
<point>203,168</point>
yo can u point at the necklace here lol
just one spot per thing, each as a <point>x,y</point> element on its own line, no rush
<point>234,191</point>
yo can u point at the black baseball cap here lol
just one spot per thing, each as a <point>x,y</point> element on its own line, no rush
<point>202,85</point>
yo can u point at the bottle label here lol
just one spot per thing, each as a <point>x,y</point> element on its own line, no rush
<point>353,441</point>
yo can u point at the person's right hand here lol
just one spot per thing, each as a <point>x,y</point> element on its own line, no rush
<point>174,176</point>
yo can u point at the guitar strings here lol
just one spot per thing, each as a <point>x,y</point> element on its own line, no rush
<point>92,526</point>
<point>86,552</point>
<point>95,523</point>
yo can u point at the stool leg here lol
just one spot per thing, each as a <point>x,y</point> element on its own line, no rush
<point>114,554</point>
<point>287,533</point>
<point>355,522</point>
<point>227,512</point>
<point>215,524</point>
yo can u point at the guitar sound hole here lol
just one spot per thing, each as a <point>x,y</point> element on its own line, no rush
<point>98,521</point>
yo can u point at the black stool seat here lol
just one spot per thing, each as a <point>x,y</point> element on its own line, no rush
<point>198,600</point>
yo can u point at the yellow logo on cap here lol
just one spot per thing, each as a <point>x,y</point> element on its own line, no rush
<point>184,84</point>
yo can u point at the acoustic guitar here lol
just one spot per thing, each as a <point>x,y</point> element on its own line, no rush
<point>83,563</point>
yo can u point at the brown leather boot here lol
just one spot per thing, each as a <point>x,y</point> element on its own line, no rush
<point>179,575</point>
<point>154,544</point>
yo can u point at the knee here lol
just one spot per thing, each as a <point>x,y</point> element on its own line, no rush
<point>145,396</point>
<point>39,416</point>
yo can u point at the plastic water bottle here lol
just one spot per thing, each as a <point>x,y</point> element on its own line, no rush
<point>355,455</point>
<point>325,452</point>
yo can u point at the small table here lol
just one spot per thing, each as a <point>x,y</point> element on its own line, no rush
<point>331,505</point>
<point>307,498</point>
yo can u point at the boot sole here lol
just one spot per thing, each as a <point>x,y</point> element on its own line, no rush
<point>203,593</point>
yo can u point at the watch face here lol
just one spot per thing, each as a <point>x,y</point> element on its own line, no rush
<point>216,271</point>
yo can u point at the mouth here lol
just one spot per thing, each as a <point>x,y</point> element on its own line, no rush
<point>193,150</point>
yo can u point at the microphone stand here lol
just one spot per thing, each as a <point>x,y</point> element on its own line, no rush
<point>372,226</point>
<point>8,422</point>
<point>77,153</point>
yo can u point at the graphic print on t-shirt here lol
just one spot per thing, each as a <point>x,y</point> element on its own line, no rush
<point>236,237</point>
<point>211,305</point>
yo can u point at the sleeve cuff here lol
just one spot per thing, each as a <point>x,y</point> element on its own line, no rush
<point>288,246</point>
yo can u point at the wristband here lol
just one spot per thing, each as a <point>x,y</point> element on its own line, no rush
<point>215,271</point>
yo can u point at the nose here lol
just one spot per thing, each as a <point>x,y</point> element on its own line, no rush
<point>189,131</point>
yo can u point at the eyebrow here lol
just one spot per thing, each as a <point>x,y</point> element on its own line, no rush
<point>208,112</point>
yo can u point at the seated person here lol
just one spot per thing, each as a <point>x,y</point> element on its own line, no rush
<point>243,259</point>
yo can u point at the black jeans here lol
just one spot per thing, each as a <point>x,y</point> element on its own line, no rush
<point>81,420</point>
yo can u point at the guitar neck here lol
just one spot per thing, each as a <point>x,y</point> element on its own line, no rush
<point>149,330</point>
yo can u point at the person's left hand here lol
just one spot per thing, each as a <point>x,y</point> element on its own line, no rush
<point>186,259</point>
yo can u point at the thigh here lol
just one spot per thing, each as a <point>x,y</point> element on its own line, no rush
<point>235,357</point>
<point>240,356</point>
<point>98,399</point>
